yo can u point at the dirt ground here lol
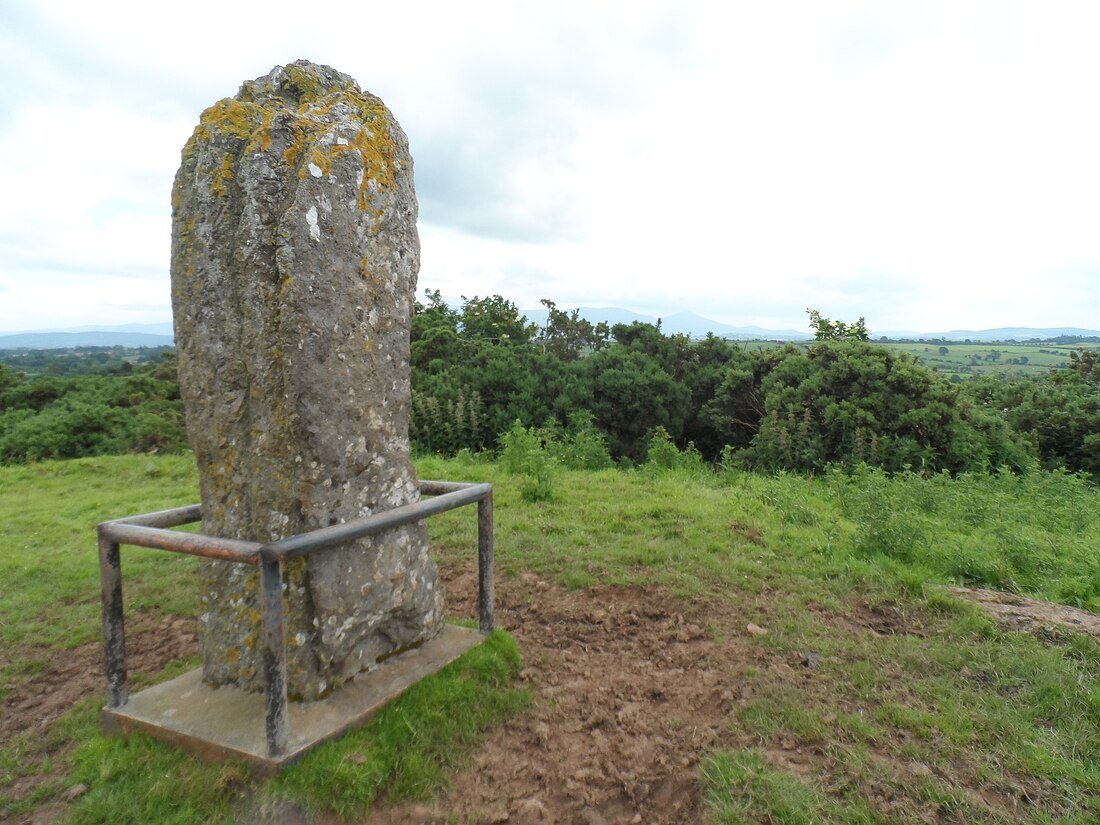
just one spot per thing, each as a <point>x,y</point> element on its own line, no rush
<point>631,692</point>
<point>631,686</point>
<point>73,675</point>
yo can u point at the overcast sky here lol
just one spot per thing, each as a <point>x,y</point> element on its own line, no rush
<point>930,166</point>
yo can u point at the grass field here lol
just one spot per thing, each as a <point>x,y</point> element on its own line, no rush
<point>971,360</point>
<point>966,360</point>
<point>918,707</point>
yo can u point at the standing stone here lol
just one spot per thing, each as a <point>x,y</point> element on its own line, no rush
<point>294,264</point>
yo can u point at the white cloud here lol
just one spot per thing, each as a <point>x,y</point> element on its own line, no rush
<point>926,164</point>
<point>55,300</point>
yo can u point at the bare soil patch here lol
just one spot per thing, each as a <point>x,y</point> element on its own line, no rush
<point>74,674</point>
<point>632,687</point>
<point>69,677</point>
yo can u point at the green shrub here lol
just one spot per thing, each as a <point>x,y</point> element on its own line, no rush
<point>523,454</point>
<point>580,446</point>
<point>663,455</point>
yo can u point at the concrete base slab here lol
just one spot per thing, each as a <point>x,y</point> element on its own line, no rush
<point>228,723</point>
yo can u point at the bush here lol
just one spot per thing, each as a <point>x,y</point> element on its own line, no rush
<point>848,402</point>
<point>581,446</point>
<point>663,455</point>
<point>91,414</point>
<point>523,454</point>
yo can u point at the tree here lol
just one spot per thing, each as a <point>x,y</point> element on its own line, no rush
<point>494,319</point>
<point>91,414</point>
<point>1059,411</point>
<point>702,368</point>
<point>671,352</point>
<point>433,314</point>
<point>434,335</point>
<point>7,378</point>
<point>1086,363</point>
<point>827,330</point>
<point>631,395</point>
<point>568,336</point>
<point>850,401</point>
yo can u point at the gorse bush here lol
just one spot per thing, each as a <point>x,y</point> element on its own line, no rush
<point>136,410</point>
<point>1060,412</point>
<point>850,402</point>
<point>447,426</point>
<point>598,394</point>
<point>841,401</point>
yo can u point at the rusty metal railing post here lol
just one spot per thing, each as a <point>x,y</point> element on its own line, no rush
<point>486,594</point>
<point>114,632</point>
<point>153,530</point>
<point>277,723</point>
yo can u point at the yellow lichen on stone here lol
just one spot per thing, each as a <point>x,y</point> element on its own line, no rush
<point>230,117</point>
<point>285,284</point>
<point>372,285</point>
<point>305,82</point>
<point>185,231</point>
<point>241,119</point>
<point>261,138</point>
<point>291,153</point>
<point>377,152</point>
<point>217,184</point>
<point>322,161</point>
<point>372,141</point>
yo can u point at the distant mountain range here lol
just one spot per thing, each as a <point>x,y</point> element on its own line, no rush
<point>127,335</point>
<point>682,323</point>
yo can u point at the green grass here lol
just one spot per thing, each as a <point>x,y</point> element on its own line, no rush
<point>938,704</point>
<point>971,360</point>
<point>1029,534</point>
<point>932,717</point>
<point>742,789</point>
<point>47,531</point>
<point>50,602</point>
<point>967,360</point>
<point>703,534</point>
<point>920,708</point>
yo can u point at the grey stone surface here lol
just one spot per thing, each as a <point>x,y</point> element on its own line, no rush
<point>294,264</point>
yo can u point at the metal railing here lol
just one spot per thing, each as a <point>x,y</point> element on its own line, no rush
<point>153,530</point>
